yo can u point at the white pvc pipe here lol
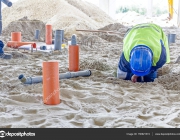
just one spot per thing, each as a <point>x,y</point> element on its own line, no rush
<point>25,47</point>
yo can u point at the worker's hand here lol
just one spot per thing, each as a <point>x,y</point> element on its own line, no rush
<point>134,78</point>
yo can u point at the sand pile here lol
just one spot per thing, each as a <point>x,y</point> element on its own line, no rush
<point>62,14</point>
<point>116,27</point>
<point>94,36</point>
<point>27,28</point>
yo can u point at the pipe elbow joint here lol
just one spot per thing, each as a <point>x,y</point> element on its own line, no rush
<point>22,78</point>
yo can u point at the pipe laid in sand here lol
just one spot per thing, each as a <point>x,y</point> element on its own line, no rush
<point>67,75</point>
<point>17,44</point>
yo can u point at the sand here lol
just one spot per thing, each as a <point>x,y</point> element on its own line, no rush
<point>68,15</point>
<point>97,101</point>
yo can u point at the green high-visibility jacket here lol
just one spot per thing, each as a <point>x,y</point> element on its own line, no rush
<point>147,34</point>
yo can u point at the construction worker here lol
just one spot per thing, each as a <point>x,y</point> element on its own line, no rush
<point>145,50</point>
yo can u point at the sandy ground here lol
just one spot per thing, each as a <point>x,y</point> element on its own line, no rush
<point>97,101</point>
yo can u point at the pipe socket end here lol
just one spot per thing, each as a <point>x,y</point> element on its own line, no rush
<point>9,4</point>
<point>43,48</point>
<point>20,76</point>
<point>90,73</point>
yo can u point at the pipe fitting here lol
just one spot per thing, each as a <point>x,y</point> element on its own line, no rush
<point>43,48</point>
<point>30,80</point>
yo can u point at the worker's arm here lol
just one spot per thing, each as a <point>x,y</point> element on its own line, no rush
<point>124,68</point>
<point>134,78</point>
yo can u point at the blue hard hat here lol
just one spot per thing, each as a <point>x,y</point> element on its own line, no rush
<point>141,58</point>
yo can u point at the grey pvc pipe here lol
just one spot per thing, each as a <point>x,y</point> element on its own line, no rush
<point>58,39</point>
<point>30,80</point>
<point>43,48</point>
<point>37,33</point>
<point>73,40</point>
<point>171,38</point>
<point>67,75</point>
<point>9,4</point>
<point>62,36</point>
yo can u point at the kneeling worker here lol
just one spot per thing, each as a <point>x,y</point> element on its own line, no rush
<point>145,50</point>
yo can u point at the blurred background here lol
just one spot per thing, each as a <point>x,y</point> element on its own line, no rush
<point>133,12</point>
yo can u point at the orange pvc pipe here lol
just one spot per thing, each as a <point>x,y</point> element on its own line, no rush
<point>73,58</point>
<point>16,44</point>
<point>48,34</point>
<point>16,36</point>
<point>51,89</point>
